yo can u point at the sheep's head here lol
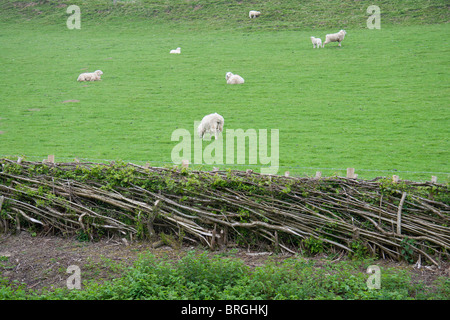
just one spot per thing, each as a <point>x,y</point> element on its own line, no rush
<point>98,72</point>
<point>228,75</point>
<point>343,32</point>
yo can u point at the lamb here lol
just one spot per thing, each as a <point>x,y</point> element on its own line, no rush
<point>335,37</point>
<point>176,51</point>
<point>233,78</point>
<point>254,14</point>
<point>316,42</point>
<point>212,124</point>
<point>90,76</point>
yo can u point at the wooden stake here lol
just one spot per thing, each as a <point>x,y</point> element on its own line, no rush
<point>433,179</point>
<point>213,238</point>
<point>151,218</point>
<point>399,214</point>
<point>185,164</point>
<point>225,236</point>
<point>276,240</point>
<point>351,173</point>
<point>220,241</point>
<point>395,179</point>
<point>318,174</point>
<point>51,158</point>
<point>286,174</point>
<point>17,223</point>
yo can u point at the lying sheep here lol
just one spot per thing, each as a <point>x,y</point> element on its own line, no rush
<point>233,78</point>
<point>176,51</point>
<point>316,42</point>
<point>90,76</point>
<point>335,37</point>
<point>254,14</point>
<point>212,124</point>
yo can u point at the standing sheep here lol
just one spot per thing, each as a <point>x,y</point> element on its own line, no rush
<point>254,14</point>
<point>316,42</point>
<point>176,51</point>
<point>90,76</point>
<point>212,124</point>
<point>233,78</point>
<point>335,37</point>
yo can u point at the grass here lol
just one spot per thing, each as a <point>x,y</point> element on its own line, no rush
<point>230,14</point>
<point>196,276</point>
<point>379,103</point>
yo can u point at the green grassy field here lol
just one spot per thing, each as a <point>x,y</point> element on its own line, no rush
<point>379,104</point>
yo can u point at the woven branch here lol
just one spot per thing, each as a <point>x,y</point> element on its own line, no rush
<point>126,199</point>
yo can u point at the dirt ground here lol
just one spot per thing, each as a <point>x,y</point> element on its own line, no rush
<point>42,262</point>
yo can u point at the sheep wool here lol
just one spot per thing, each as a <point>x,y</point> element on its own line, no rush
<point>212,124</point>
<point>233,78</point>
<point>335,37</point>
<point>176,51</point>
<point>90,76</point>
<point>254,14</point>
<point>316,42</point>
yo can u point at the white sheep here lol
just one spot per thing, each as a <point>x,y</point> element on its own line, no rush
<point>90,76</point>
<point>316,42</point>
<point>176,51</point>
<point>233,78</point>
<point>254,14</point>
<point>212,124</point>
<point>335,37</point>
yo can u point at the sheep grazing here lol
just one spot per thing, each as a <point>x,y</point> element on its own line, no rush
<point>316,42</point>
<point>90,76</point>
<point>176,51</point>
<point>335,37</point>
<point>233,78</point>
<point>212,124</point>
<point>254,14</point>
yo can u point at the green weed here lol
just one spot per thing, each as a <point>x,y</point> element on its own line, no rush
<point>196,276</point>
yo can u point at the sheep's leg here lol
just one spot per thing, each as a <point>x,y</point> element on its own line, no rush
<point>214,130</point>
<point>201,133</point>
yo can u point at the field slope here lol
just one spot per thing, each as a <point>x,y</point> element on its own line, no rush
<point>378,104</point>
